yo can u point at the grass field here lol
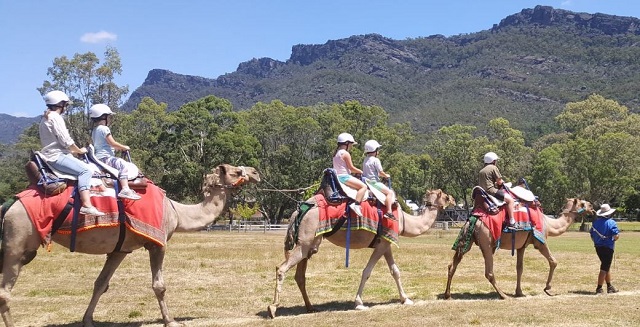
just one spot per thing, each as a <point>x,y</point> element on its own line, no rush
<point>227,279</point>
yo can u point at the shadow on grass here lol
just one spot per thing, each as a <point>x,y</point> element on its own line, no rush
<point>583,292</point>
<point>122,324</point>
<point>285,311</point>
<point>472,296</point>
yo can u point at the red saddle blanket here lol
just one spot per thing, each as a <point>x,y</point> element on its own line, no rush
<point>331,213</point>
<point>143,217</point>
<point>528,219</point>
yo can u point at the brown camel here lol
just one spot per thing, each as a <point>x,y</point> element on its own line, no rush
<point>308,244</point>
<point>482,237</point>
<point>21,240</point>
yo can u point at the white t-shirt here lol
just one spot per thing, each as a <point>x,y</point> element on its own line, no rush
<point>371,168</point>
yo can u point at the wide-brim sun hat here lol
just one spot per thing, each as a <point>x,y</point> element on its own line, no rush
<point>605,210</point>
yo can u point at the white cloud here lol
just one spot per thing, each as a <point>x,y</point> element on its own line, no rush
<point>566,3</point>
<point>98,37</point>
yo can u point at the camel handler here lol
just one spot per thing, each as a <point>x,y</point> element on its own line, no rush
<point>604,233</point>
<point>490,179</point>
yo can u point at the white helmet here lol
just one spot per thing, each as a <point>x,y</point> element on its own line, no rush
<point>371,146</point>
<point>490,157</point>
<point>97,110</point>
<point>346,137</point>
<point>55,97</point>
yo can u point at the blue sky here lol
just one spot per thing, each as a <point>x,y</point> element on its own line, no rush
<point>210,38</point>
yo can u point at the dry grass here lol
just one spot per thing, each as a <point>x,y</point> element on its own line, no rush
<point>227,279</point>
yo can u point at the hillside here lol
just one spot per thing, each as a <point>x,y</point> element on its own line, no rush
<point>525,68</point>
<point>11,127</point>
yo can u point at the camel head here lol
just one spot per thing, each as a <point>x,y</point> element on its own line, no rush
<point>438,199</point>
<point>227,176</point>
<point>578,206</point>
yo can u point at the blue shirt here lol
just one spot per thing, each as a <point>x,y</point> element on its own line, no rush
<point>603,230</point>
<point>99,137</point>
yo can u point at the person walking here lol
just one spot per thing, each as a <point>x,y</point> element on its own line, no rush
<point>604,233</point>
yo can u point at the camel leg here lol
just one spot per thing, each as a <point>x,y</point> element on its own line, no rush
<point>101,284</point>
<point>451,270</point>
<point>378,252</point>
<point>553,263</point>
<point>519,269</point>
<point>297,257</point>
<point>19,247</point>
<point>156,258</point>
<point>487,253</point>
<point>395,272</point>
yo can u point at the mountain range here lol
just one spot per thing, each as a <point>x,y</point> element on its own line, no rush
<point>525,69</point>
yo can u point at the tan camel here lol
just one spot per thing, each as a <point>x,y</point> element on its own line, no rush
<point>21,239</point>
<point>308,244</point>
<point>482,237</point>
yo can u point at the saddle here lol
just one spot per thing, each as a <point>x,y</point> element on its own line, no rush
<point>335,191</point>
<point>109,174</point>
<point>491,204</point>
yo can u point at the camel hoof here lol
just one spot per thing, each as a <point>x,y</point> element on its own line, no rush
<point>548,292</point>
<point>407,302</point>
<point>362,307</point>
<point>272,310</point>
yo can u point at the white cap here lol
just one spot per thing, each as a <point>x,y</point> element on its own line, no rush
<point>97,110</point>
<point>346,137</point>
<point>490,157</point>
<point>55,97</point>
<point>371,146</point>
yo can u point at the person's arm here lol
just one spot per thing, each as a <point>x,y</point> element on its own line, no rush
<point>118,146</point>
<point>381,172</point>
<point>76,150</point>
<point>347,159</point>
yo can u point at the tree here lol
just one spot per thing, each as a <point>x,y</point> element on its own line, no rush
<point>457,157</point>
<point>86,82</point>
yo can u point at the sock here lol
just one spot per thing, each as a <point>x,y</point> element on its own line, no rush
<point>608,284</point>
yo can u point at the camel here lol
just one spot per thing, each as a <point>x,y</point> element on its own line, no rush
<point>21,240</point>
<point>483,238</point>
<point>308,244</point>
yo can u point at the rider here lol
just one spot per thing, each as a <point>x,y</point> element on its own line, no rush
<point>105,144</point>
<point>344,167</point>
<point>58,148</point>
<point>490,179</point>
<point>372,170</point>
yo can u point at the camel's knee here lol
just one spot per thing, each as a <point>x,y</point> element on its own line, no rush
<point>395,271</point>
<point>158,288</point>
<point>489,276</point>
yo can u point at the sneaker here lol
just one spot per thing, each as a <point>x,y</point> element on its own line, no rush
<point>91,211</point>
<point>599,291</point>
<point>128,193</point>
<point>356,209</point>
<point>390,216</point>
<point>611,289</point>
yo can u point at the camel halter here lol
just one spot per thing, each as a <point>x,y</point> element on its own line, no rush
<point>243,178</point>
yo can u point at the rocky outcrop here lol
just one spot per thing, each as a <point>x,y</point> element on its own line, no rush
<point>548,16</point>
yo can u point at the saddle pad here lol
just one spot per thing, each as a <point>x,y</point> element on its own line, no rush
<point>527,220</point>
<point>330,214</point>
<point>143,217</point>
<point>351,192</point>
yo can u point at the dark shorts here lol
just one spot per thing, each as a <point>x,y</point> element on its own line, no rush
<point>499,195</point>
<point>606,256</point>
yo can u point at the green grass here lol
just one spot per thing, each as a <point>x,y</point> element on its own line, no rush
<point>227,278</point>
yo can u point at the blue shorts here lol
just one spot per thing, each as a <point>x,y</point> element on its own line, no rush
<point>344,178</point>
